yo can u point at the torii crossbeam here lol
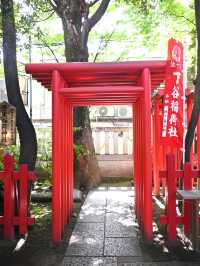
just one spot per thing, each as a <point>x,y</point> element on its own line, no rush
<point>86,84</point>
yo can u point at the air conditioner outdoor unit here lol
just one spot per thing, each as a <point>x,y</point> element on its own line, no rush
<point>106,111</point>
<point>122,112</point>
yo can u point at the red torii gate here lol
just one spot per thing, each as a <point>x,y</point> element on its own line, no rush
<point>86,84</point>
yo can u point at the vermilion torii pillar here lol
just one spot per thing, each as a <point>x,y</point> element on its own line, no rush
<point>86,84</point>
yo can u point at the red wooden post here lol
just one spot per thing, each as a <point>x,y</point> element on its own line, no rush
<point>71,154</point>
<point>56,151</point>
<point>139,162</point>
<point>187,181</point>
<point>141,165</point>
<point>156,146</point>
<point>146,78</point>
<point>198,142</point>
<point>171,197</point>
<point>198,150</point>
<point>67,156</point>
<point>62,163</point>
<point>135,159</point>
<point>23,198</point>
<point>8,197</point>
<point>66,212</point>
<point>66,160</point>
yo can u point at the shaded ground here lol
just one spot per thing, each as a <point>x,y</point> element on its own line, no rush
<point>107,233</point>
<point>120,240</point>
<point>38,250</point>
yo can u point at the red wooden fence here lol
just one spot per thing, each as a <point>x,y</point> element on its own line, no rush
<point>173,176</point>
<point>13,216</point>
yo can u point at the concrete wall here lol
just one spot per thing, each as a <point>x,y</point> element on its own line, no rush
<point>113,140</point>
<point>115,165</point>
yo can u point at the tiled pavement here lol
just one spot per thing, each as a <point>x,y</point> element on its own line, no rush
<point>107,234</point>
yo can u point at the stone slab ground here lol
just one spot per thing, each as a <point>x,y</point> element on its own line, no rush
<point>107,233</point>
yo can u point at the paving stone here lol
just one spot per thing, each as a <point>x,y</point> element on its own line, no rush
<point>92,214</point>
<point>125,201</point>
<point>114,195</point>
<point>89,261</point>
<point>97,194</point>
<point>145,264</point>
<point>120,225</point>
<point>128,215</point>
<point>129,260</point>
<point>85,246</point>
<point>189,263</point>
<point>118,208</point>
<point>95,203</point>
<point>120,199</point>
<point>122,247</point>
<point>158,263</point>
<point>101,189</point>
<point>93,230</point>
<point>121,189</point>
<point>112,208</point>
<point>139,263</point>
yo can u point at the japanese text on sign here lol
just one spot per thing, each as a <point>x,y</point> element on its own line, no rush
<point>172,127</point>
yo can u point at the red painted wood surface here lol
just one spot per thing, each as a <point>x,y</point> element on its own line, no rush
<point>157,148</point>
<point>160,151</point>
<point>187,186</point>
<point>10,217</point>
<point>170,217</point>
<point>87,84</point>
<point>105,73</point>
<point>56,154</point>
<point>147,154</point>
<point>83,84</point>
<point>171,197</point>
<point>198,143</point>
<point>23,206</point>
<point>171,174</point>
<point>8,194</point>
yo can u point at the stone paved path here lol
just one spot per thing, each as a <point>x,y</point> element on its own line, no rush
<point>107,234</point>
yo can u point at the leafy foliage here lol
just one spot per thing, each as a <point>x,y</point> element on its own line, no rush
<point>42,213</point>
<point>145,6</point>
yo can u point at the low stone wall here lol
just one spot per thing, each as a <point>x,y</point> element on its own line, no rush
<point>115,165</point>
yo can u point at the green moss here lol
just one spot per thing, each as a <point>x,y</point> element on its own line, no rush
<point>117,182</point>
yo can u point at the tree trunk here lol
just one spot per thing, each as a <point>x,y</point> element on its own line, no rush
<point>196,107</point>
<point>28,142</point>
<point>76,26</point>
<point>77,51</point>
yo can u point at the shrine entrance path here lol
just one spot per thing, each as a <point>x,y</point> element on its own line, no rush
<point>106,233</point>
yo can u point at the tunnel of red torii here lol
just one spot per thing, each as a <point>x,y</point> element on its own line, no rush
<point>87,84</point>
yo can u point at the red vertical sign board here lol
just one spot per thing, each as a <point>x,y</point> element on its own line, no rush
<point>172,126</point>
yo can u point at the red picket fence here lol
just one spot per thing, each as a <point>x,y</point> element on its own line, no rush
<point>15,204</point>
<point>190,182</point>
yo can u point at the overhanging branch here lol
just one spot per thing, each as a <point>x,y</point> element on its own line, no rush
<point>93,3</point>
<point>44,19</point>
<point>98,14</point>
<point>180,16</point>
<point>54,3</point>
